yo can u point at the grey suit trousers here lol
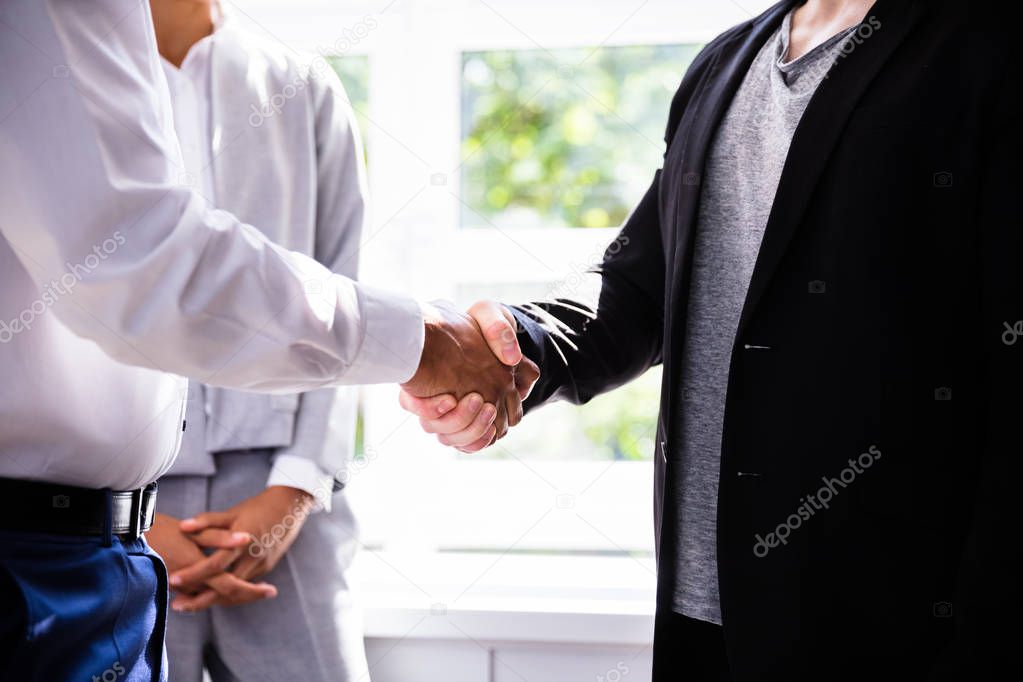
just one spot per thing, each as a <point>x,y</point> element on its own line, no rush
<point>311,631</point>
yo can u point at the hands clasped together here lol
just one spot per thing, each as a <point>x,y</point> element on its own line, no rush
<point>472,378</point>
<point>245,542</point>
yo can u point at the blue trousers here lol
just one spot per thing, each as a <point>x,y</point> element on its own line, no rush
<point>73,609</point>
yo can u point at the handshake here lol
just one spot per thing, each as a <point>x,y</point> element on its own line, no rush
<point>472,377</point>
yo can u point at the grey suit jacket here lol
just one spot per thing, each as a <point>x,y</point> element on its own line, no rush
<point>286,158</point>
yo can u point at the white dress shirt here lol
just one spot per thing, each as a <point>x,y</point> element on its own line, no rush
<point>114,276</point>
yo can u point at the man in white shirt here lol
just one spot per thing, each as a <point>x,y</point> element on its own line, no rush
<point>115,276</point>
<point>268,463</point>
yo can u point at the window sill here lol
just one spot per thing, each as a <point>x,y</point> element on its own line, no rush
<point>601,600</point>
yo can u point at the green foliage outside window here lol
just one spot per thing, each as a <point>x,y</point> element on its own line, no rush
<point>353,71</point>
<point>564,139</point>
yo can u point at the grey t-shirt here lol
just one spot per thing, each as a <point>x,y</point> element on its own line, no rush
<point>740,180</point>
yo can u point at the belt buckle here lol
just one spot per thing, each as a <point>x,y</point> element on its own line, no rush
<point>135,522</point>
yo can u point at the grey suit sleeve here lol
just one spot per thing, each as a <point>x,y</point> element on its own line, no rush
<point>325,421</point>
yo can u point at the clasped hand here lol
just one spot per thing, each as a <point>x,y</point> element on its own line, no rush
<point>472,378</point>
<point>216,557</point>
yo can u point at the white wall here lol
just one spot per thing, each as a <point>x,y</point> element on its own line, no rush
<point>429,660</point>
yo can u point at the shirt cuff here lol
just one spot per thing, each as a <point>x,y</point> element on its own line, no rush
<point>304,474</point>
<point>392,341</point>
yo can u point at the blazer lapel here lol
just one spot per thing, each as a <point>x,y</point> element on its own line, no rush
<point>698,125</point>
<point>817,134</point>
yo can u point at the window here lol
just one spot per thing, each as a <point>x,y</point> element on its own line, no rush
<point>497,130</point>
<point>563,138</point>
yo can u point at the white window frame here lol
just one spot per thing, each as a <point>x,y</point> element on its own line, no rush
<point>412,496</point>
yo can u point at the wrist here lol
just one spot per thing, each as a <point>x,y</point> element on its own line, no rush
<point>303,474</point>
<point>289,499</point>
<point>436,338</point>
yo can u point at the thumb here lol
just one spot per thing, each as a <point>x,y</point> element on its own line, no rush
<point>498,327</point>
<point>429,408</point>
<point>526,374</point>
<point>207,520</point>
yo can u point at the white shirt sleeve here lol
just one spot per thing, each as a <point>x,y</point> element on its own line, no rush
<point>303,474</point>
<point>88,169</point>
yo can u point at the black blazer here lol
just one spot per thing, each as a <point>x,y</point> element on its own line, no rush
<point>881,318</point>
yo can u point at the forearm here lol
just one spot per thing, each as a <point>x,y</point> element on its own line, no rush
<point>584,348</point>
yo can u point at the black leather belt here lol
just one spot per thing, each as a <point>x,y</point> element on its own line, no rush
<point>36,507</point>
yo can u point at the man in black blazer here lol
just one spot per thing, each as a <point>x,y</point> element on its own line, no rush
<point>869,445</point>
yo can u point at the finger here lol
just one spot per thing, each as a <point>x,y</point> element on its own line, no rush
<point>474,431</point>
<point>513,405</point>
<point>249,567</point>
<point>192,604</point>
<point>218,538</point>
<point>234,590</point>
<point>457,419</point>
<point>498,327</point>
<point>230,591</point>
<point>526,373</point>
<point>501,423</point>
<point>206,520</point>
<point>485,440</point>
<point>430,408</point>
<point>203,570</point>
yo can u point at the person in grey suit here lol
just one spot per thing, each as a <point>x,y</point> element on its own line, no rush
<point>271,140</point>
